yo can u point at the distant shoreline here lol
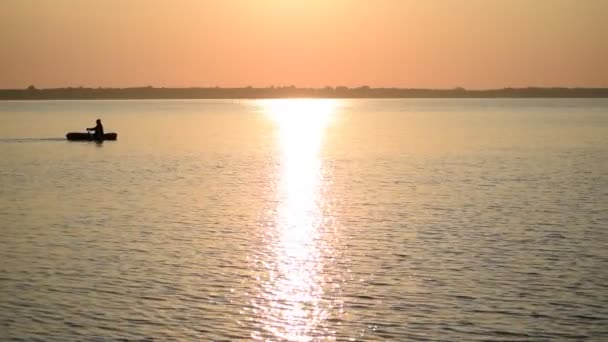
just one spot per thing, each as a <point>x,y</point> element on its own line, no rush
<point>141,93</point>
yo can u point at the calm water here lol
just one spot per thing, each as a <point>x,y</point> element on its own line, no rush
<point>454,220</point>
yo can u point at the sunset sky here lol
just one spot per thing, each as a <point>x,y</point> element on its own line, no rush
<point>307,43</point>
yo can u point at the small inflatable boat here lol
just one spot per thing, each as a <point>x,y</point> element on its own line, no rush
<point>78,136</point>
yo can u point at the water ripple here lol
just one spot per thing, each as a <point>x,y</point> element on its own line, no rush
<point>378,233</point>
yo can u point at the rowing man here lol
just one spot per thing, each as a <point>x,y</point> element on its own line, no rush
<point>98,131</point>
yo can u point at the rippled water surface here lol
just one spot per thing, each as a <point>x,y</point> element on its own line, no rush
<point>305,220</point>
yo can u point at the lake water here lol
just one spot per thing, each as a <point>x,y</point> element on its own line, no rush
<point>305,220</point>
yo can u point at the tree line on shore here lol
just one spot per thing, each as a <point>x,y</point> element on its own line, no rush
<point>82,93</point>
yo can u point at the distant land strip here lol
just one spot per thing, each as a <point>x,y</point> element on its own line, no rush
<point>80,93</point>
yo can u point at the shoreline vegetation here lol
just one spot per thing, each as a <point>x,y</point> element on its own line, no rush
<point>82,93</point>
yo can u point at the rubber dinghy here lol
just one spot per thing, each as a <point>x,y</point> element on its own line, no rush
<point>78,136</point>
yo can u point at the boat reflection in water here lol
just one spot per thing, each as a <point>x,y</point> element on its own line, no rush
<point>290,305</point>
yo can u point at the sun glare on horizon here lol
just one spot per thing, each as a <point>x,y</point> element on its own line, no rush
<point>300,121</point>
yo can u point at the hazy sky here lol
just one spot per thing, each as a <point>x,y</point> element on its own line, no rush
<point>403,43</point>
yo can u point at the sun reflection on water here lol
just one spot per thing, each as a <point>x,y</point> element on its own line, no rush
<point>294,287</point>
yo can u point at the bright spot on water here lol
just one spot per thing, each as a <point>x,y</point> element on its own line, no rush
<point>294,288</point>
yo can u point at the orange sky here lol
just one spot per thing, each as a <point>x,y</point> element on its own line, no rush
<point>401,43</point>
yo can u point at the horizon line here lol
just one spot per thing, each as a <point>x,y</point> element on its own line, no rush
<point>294,87</point>
<point>249,92</point>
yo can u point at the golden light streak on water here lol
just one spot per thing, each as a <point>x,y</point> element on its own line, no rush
<point>294,287</point>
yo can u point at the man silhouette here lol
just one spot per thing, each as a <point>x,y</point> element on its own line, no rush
<point>98,131</point>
